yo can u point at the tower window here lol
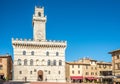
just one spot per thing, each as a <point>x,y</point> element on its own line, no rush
<point>39,14</point>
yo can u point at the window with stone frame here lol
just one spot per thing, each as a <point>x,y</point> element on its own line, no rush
<point>72,72</point>
<point>118,66</point>
<point>39,14</point>
<point>31,62</point>
<point>99,66</point>
<point>78,71</point>
<point>20,72</point>
<point>87,73</point>
<point>25,61</point>
<point>32,53</point>
<point>1,67</point>
<point>48,63</point>
<point>57,54</point>
<point>0,60</point>
<point>19,62</point>
<point>48,72</point>
<point>60,62</point>
<point>118,57</point>
<point>72,66</point>
<point>24,52</point>
<point>47,53</point>
<point>30,72</point>
<point>86,66</point>
<point>59,72</point>
<point>54,63</point>
<point>92,73</point>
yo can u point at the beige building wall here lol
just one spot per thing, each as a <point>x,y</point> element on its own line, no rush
<point>6,66</point>
<point>116,64</point>
<point>88,68</point>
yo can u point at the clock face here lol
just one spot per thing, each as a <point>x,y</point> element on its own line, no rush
<point>39,35</point>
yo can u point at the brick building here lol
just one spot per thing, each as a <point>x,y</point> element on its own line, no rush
<point>5,67</point>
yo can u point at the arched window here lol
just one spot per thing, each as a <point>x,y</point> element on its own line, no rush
<point>20,72</point>
<point>59,72</point>
<point>57,54</point>
<point>24,52</point>
<point>31,62</point>
<point>32,53</point>
<point>25,62</point>
<point>37,62</point>
<point>60,62</point>
<point>48,72</point>
<point>30,72</point>
<point>39,14</point>
<point>48,63</point>
<point>54,63</point>
<point>47,53</point>
<point>19,62</point>
<point>43,62</point>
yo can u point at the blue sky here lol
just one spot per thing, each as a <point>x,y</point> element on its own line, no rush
<point>91,27</point>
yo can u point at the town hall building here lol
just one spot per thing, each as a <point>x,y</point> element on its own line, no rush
<point>39,59</point>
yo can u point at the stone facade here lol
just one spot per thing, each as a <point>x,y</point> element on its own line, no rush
<point>5,67</point>
<point>116,64</point>
<point>39,59</point>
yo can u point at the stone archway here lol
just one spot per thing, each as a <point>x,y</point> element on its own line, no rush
<point>40,75</point>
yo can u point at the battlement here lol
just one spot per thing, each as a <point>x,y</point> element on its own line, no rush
<point>20,39</point>
<point>30,42</point>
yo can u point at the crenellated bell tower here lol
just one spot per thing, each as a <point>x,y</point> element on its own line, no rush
<point>39,24</point>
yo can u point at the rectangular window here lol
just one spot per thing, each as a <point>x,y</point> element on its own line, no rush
<point>72,72</point>
<point>49,72</point>
<point>87,73</point>
<point>79,72</point>
<point>118,66</point>
<point>78,66</point>
<point>72,66</point>
<point>20,72</point>
<point>92,68</point>
<point>99,66</point>
<point>118,57</point>
<point>92,73</point>
<point>30,72</point>
<point>0,60</point>
<point>1,67</point>
<point>86,67</point>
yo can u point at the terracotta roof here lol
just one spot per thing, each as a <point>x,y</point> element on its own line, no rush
<point>114,51</point>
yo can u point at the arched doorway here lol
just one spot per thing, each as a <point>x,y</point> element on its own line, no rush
<point>40,75</point>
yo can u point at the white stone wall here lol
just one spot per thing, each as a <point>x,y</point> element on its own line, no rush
<point>39,54</point>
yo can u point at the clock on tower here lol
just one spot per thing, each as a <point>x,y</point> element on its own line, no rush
<point>39,24</point>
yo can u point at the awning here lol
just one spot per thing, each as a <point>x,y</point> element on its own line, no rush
<point>76,77</point>
<point>91,78</point>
